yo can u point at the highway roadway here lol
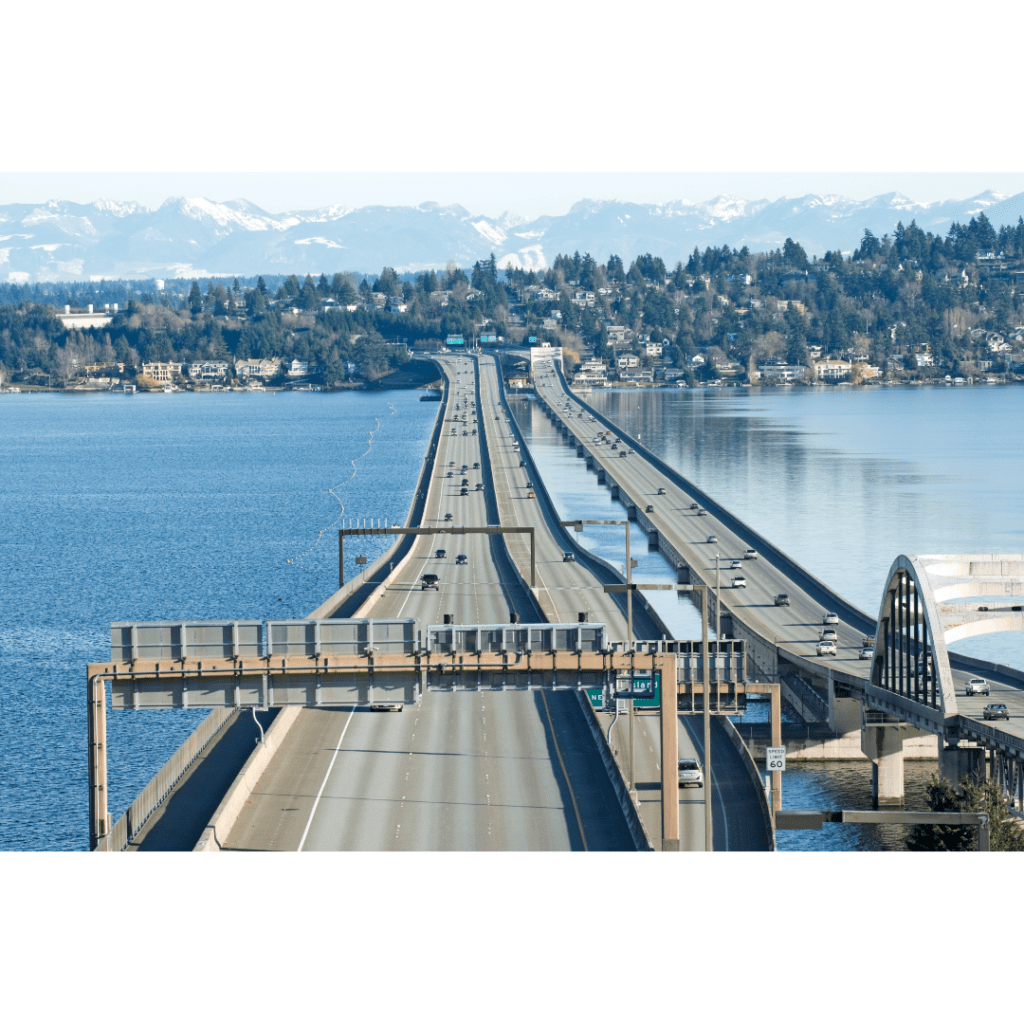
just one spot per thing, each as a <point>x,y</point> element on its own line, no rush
<point>796,627</point>
<point>459,770</point>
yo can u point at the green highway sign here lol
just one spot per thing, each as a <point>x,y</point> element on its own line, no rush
<point>596,696</point>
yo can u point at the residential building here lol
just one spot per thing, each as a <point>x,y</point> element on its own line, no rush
<point>772,371</point>
<point>627,362</point>
<point>162,372</point>
<point>616,334</point>
<point>833,369</point>
<point>654,349</point>
<point>300,368</point>
<point>246,369</point>
<point>208,370</point>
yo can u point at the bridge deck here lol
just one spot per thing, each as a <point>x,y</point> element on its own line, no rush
<point>793,631</point>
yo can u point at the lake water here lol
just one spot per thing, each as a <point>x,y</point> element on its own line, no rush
<point>150,507</point>
<point>212,506</point>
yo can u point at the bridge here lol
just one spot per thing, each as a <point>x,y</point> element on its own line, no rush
<point>503,655</point>
<point>505,646</point>
<point>892,678</point>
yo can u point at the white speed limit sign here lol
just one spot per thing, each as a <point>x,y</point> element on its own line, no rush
<point>776,757</point>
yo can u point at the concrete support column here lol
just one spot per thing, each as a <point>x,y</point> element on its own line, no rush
<point>883,744</point>
<point>843,712</point>
<point>956,763</point>
<point>669,763</point>
<point>99,819</point>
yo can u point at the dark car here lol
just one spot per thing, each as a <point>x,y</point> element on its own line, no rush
<point>447,517</point>
<point>440,553</point>
<point>461,559</point>
<point>464,491</point>
<point>568,556</point>
<point>428,581</point>
<point>781,599</point>
<point>476,465</point>
<point>649,508</point>
<point>694,505</point>
<point>996,711</point>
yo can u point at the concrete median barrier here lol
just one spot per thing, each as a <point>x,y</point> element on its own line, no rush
<point>216,832</point>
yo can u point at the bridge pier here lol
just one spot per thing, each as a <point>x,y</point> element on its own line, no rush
<point>957,763</point>
<point>883,744</point>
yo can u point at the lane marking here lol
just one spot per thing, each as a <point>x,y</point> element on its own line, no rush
<point>565,774</point>
<point>316,802</point>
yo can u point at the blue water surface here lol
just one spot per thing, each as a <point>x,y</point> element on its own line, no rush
<point>155,507</point>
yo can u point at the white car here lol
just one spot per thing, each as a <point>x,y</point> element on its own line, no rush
<point>712,539</point>
<point>826,647</point>
<point>828,634</point>
<point>739,581</point>
<point>830,619</point>
<point>690,773</point>
<point>977,686</point>
<point>735,563</point>
<point>750,553</point>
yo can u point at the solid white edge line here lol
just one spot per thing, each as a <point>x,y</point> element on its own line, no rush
<point>316,802</point>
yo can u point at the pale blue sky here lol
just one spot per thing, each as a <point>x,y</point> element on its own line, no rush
<point>488,193</point>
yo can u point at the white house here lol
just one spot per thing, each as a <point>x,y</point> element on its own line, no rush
<point>208,370</point>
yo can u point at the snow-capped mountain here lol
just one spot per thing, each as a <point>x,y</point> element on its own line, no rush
<point>194,237</point>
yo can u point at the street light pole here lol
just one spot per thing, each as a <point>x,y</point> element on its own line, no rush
<point>705,666</point>
<point>718,595</point>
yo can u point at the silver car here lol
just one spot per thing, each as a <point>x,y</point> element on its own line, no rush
<point>690,773</point>
<point>977,686</point>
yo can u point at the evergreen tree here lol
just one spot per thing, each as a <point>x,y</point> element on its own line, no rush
<point>195,299</point>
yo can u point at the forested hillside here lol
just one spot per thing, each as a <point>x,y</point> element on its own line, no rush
<point>955,297</point>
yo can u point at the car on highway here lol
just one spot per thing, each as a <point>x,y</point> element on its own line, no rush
<point>661,490</point>
<point>649,508</point>
<point>386,707</point>
<point>702,511</point>
<point>450,474</point>
<point>828,633</point>
<point>739,581</point>
<point>568,556</point>
<point>690,773</point>
<point>465,482</point>
<point>977,686</point>
<point>440,553</point>
<point>866,653</point>
<point>694,505</point>
<point>463,492</point>
<point>712,539</point>
<point>447,517</point>
<point>782,600</point>
<point>996,711</point>
<point>826,647</point>
<point>830,619</point>
<point>451,463</point>
<point>735,563</point>
<point>530,494</point>
<point>464,468</point>
<point>461,560</point>
<point>476,465</point>
<point>522,462</point>
<point>479,485</point>
<point>465,433</point>
<point>622,455</point>
<point>428,581</point>
<point>750,553</point>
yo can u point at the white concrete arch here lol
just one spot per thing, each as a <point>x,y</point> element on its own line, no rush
<point>932,601</point>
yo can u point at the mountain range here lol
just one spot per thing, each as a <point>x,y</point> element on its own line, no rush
<point>64,241</point>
